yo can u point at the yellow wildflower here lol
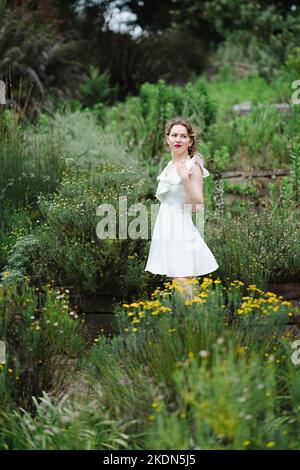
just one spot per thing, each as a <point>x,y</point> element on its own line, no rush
<point>270,444</point>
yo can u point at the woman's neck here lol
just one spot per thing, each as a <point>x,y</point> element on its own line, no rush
<point>178,159</point>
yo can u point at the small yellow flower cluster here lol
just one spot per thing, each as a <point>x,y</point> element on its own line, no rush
<point>253,287</point>
<point>143,309</point>
<point>236,283</point>
<point>156,409</point>
<point>207,281</point>
<point>267,303</point>
<point>270,444</point>
<point>35,325</point>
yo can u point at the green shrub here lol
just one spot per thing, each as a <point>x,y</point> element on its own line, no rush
<point>63,425</point>
<point>83,142</point>
<point>66,247</point>
<point>96,88</point>
<point>258,248</point>
<point>43,339</point>
<point>293,61</point>
<point>15,223</point>
<point>27,167</point>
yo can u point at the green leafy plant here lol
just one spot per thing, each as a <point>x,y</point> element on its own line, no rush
<point>97,89</point>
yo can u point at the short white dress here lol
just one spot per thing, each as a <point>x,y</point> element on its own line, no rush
<point>177,249</point>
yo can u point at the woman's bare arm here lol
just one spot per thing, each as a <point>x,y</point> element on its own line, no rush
<point>193,186</point>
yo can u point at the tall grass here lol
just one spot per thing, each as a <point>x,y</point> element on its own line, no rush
<point>42,337</point>
<point>26,167</point>
<point>195,371</point>
<point>182,374</point>
<point>258,248</point>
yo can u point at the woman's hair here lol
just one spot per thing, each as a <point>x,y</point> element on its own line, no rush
<point>190,130</point>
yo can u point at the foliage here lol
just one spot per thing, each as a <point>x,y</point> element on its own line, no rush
<point>197,356</point>
<point>66,425</point>
<point>96,88</point>
<point>66,247</point>
<point>42,338</point>
<point>139,121</point>
<point>259,36</point>
<point>181,373</point>
<point>293,61</point>
<point>260,139</point>
<point>27,167</point>
<point>83,142</point>
<point>37,57</point>
<point>260,248</point>
<point>295,170</point>
<point>15,223</point>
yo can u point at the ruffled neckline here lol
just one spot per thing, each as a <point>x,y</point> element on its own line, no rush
<point>173,176</point>
<point>167,179</point>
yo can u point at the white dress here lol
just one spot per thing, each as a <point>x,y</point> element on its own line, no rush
<point>177,249</point>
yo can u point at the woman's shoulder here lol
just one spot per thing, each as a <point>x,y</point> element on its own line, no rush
<point>198,159</point>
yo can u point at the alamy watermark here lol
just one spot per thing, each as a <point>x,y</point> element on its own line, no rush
<point>296,94</point>
<point>295,358</point>
<point>2,353</point>
<point>2,92</point>
<point>174,221</point>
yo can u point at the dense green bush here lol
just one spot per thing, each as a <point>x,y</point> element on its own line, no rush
<point>83,142</point>
<point>96,88</point>
<point>259,248</point>
<point>293,61</point>
<point>15,223</point>
<point>66,246</point>
<point>42,337</point>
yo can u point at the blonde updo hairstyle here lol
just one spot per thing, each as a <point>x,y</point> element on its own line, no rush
<point>191,131</point>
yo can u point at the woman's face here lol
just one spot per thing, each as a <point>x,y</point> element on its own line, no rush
<point>179,140</point>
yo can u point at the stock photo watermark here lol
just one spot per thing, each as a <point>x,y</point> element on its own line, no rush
<point>2,352</point>
<point>295,358</point>
<point>296,94</point>
<point>177,221</point>
<point>2,92</point>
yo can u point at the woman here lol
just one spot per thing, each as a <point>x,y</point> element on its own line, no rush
<point>177,248</point>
